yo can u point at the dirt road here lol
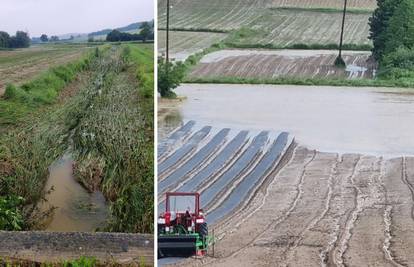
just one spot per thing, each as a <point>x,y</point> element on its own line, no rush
<point>324,209</point>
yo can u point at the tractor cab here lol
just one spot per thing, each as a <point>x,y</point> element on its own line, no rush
<point>182,229</point>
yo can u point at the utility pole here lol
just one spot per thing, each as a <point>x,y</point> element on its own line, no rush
<point>339,61</point>
<point>168,34</point>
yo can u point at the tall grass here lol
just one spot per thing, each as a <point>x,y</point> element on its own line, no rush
<point>379,82</point>
<point>114,144</point>
<point>108,127</point>
<point>27,151</point>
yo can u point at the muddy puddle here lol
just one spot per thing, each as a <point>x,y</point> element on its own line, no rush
<point>169,116</point>
<point>375,121</point>
<point>75,209</point>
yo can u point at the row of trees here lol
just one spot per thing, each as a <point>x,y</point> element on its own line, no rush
<point>392,33</point>
<point>20,40</point>
<point>44,38</point>
<point>146,33</point>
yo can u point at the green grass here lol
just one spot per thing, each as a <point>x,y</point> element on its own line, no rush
<point>194,30</point>
<point>325,10</point>
<point>81,262</point>
<point>332,46</point>
<point>113,142</point>
<point>18,101</point>
<point>306,81</point>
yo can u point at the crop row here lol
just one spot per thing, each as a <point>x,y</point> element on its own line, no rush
<point>225,167</point>
<point>284,63</point>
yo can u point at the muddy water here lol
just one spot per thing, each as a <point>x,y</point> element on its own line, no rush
<point>376,121</point>
<point>75,208</point>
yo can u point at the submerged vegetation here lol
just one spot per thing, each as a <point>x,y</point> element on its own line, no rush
<point>107,126</point>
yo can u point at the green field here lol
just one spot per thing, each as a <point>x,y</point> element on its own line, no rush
<point>271,24</point>
<point>20,65</point>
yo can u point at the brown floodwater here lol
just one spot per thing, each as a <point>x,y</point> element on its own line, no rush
<point>75,208</point>
<point>376,121</point>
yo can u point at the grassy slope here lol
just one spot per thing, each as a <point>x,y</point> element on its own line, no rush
<point>18,101</point>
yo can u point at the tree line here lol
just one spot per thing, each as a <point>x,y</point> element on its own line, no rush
<point>20,40</point>
<point>146,33</point>
<point>392,34</point>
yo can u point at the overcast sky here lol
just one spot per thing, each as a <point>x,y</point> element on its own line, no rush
<point>55,17</point>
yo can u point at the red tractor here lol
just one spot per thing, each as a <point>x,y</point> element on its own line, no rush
<point>182,228</point>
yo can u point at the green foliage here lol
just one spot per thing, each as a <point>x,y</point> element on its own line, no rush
<point>10,92</point>
<point>146,31</point>
<point>379,24</point>
<point>400,30</point>
<point>4,39</point>
<point>143,57</point>
<point>324,10</point>
<point>398,65</point>
<point>54,38</point>
<point>170,76</point>
<point>44,38</point>
<point>119,127</point>
<point>304,81</point>
<point>81,262</point>
<point>20,40</point>
<point>11,218</point>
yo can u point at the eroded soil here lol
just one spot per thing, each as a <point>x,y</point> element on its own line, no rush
<point>324,209</point>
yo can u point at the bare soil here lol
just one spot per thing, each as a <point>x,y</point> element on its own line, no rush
<point>324,209</point>
<point>267,64</point>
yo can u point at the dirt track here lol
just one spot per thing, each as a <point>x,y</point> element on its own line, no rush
<point>324,209</point>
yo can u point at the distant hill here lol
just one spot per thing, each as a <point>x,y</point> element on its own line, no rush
<point>98,35</point>
<point>131,27</point>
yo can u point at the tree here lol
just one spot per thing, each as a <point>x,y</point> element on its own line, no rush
<point>114,36</point>
<point>20,40</point>
<point>54,38</point>
<point>169,77</point>
<point>379,23</point>
<point>44,38</point>
<point>400,31</point>
<point>146,31</point>
<point>4,39</point>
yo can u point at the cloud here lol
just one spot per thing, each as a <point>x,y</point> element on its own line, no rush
<point>55,17</point>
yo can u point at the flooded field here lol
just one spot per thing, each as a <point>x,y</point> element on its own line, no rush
<point>74,208</point>
<point>342,191</point>
<point>338,119</point>
<point>267,64</point>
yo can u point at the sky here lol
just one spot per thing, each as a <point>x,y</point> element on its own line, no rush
<point>55,17</point>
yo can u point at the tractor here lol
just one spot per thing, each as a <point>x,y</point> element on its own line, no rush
<point>182,228</point>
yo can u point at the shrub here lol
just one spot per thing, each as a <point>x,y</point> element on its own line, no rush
<point>169,77</point>
<point>11,218</point>
<point>11,91</point>
<point>398,64</point>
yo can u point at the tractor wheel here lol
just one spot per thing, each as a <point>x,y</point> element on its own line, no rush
<point>203,230</point>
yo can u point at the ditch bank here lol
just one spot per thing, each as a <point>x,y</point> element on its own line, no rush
<point>52,247</point>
